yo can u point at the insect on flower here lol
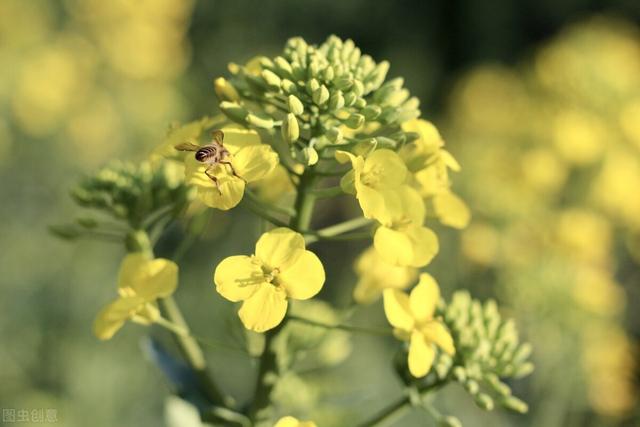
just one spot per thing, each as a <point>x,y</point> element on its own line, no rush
<point>212,154</point>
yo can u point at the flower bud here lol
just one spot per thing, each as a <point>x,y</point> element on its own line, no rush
<point>321,95</point>
<point>371,112</point>
<point>354,121</point>
<point>336,100</point>
<point>449,421</point>
<point>484,401</point>
<point>272,80</point>
<point>515,404</point>
<point>349,99</point>
<point>283,66</point>
<point>290,129</point>
<point>343,83</point>
<point>224,90</point>
<point>312,86</point>
<point>234,111</point>
<point>310,156</point>
<point>334,135</point>
<point>259,122</point>
<point>288,86</point>
<point>295,105</point>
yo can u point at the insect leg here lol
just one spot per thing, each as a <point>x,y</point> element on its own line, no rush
<point>233,171</point>
<point>214,179</point>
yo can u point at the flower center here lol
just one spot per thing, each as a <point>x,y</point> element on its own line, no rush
<point>372,177</point>
<point>270,275</point>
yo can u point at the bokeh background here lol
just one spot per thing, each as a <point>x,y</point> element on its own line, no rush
<point>539,101</point>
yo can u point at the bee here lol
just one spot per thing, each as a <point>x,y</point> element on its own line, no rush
<point>212,154</point>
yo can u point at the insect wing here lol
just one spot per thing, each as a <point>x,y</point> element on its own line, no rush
<point>187,146</point>
<point>218,136</point>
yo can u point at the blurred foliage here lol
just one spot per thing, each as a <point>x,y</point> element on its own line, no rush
<point>84,81</point>
<point>552,164</point>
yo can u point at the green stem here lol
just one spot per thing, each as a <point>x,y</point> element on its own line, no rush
<point>268,206</point>
<point>191,350</point>
<point>398,408</point>
<point>349,328</point>
<point>336,232</point>
<point>325,193</point>
<point>261,405</point>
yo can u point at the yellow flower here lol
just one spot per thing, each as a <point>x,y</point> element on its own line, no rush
<point>376,275</point>
<point>413,321</point>
<point>275,187</point>
<point>428,164</point>
<point>251,160</point>
<point>293,422</point>
<point>401,238</point>
<point>281,268</point>
<point>141,281</point>
<point>374,180</point>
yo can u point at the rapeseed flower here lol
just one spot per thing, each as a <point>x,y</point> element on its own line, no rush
<point>375,275</point>
<point>293,422</point>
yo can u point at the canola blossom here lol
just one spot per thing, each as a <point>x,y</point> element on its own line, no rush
<point>141,282</point>
<point>251,160</point>
<point>294,125</point>
<point>280,269</point>
<point>412,317</point>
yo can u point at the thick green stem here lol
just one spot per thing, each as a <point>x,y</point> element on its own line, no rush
<point>260,408</point>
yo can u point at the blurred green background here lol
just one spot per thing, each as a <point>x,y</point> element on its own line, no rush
<point>538,101</point>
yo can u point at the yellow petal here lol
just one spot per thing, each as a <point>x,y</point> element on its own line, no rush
<point>424,298</point>
<point>147,278</point>
<point>237,277</point>
<point>421,355</point>
<point>383,169</point>
<point>393,246</point>
<point>279,248</point>
<point>265,309</point>
<point>113,316</point>
<point>397,309</point>
<point>238,138</point>
<point>255,162</point>
<point>451,210</point>
<point>372,203</point>
<point>437,333</point>
<point>408,206</point>
<point>424,245</point>
<point>304,278</point>
<point>287,422</point>
<point>231,188</point>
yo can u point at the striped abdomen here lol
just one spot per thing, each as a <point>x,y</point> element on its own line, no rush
<point>208,154</point>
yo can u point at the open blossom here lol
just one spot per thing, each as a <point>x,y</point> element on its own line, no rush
<point>428,164</point>
<point>412,317</point>
<point>401,239</point>
<point>142,280</point>
<point>293,422</point>
<point>280,269</point>
<point>375,275</point>
<point>251,160</point>
<point>374,180</point>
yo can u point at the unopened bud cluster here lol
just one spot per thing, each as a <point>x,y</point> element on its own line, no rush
<point>487,351</point>
<point>129,192</point>
<point>319,96</point>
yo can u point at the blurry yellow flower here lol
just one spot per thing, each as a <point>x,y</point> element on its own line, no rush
<point>413,321</point>
<point>584,235</point>
<point>429,163</point>
<point>251,160</point>
<point>142,280</point>
<point>374,180</point>
<point>480,243</point>
<point>401,239</point>
<point>376,275</point>
<point>275,186</point>
<point>281,268</point>
<point>293,422</point>
<point>580,138</point>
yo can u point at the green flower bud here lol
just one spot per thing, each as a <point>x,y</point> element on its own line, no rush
<point>334,135</point>
<point>449,421</point>
<point>234,111</point>
<point>87,222</point>
<point>354,121</point>
<point>321,95</point>
<point>328,74</point>
<point>259,122</point>
<point>283,66</point>
<point>272,80</point>
<point>343,83</point>
<point>358,88</point>
<point>459,374</point>
<point>349,99</point>
<point>310,156</point>
<point>336,100</point>
<point>288,86</point>
<point>496,385</point>
<point>66,232</point>
<point>484,401</point>
<point>371,112</point>
<point>523,370</point>
<point>224,90</point>
<point>360,103</point>
<point>515,404</point>
<point>312,86</point>
<point>471,386</point>
<point>295,105</point>
<point>375,79</point>
<point>290,129</point>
